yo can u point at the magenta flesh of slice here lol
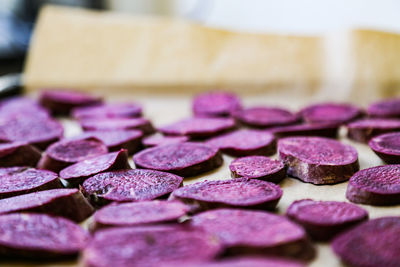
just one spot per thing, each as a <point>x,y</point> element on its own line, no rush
<point>215,104</point>
<point>264,117</point>
<point>387,147</point>
<point>363,130</point>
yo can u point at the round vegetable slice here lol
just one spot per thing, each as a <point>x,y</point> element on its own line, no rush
<point>117,139</point>
<point>108,124</point>
<point>363,130</point>
<point>130,185</point>
<point>255,232</point>
<point>385,108</point>
<point>157,140</point>
<point>215,104</point>
<point>62,101</point>
<point>39,236</point>
<point>22,106</point>
<point>18,154</point>
<point>110,110</point>
<point>80,171</point>
<point>259,167</point>
<point>150,246</point>
<point>240,192</point>
<point>315,129</point>
<point>18,181</point>
<point>318,160</point>
<point>375,186</point>
<point>199,127</point>
<point>253,261</point>
<point>325,219</point>
<point>139,213</point>
<point>263,117</point>
<point>67,152</point>
<point>68,203</point>
<point>245,143</point>
<point>36,130</point>
<point>184,159</point>
<point>387,147</point>
<point>337,113</point>
<point>372,243</point>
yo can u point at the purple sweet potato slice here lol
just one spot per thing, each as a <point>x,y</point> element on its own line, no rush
<point>150,246</point>
<point>68,203</point>
<point>264,117</point>
<point>18,154</point>
<point>315,129</point>
<point>238,193</point>
<point>118,139</point>
<point>245,143</point>
<point>77,173</point>
<point>18,180</point>
<point>325,219</point>
<point>250,261</point>
<point>110,110</point>
<point>335,113</point>
<point>183,159</point>
<point>22,106</point>
<point>318,160</point>
<point>40,236</point>
<point>38,131</point>
<point>157,140</point>
<point>255,232</point>
<point>377,186</point>
<point>139,213</point>
<point>62,101</point>
<point>215,104</point>
<point>108,124</point>
<point>372,243</point>
<point>258,167</point>
<point>130,185</point>
<point>388,108</point>
<point>387,147</point>
<point>199,128</point>
<point>363,130</point>
<point>67,152</point>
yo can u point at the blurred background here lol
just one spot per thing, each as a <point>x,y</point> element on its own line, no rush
<point>301,17</point>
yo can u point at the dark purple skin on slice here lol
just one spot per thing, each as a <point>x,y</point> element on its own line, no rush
<point>108,124</point>
<point>199,128</point>
<point>389,108</point>
<point>110,110</point>
<point>157,140</point>
<point>264,117</point>
<point>378,186</point>
<point>245,143</point>
<point>183,159</point>
<point>253,261</point>
<point>17,181</point>
<point>215,104</point>
<point>129,185</point>
<point>258,167</point>
<point>234,193</point>
<point>315,129</point>
<point>18,154</point>
<point>387,147</point>
<point>62,101</point>
<point>372,243</point>
<point>363,130</point>
<point>68,203</point>
<point>325,219</point>
<point>255,232</point>
<point>39,131</point>
<point>67,152</point>
<point>77,173</point>
<point>318,160</point>
<point>118,139</point>
<point>139,213</point>
<point>335,113</point>
<point>150,246</point>
<point>40,236</point>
